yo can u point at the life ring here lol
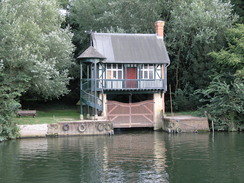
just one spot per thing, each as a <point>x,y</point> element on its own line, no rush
<point>82,127</point>
<point>100,127</point>
<point>109,126</point>
<point>66,127</point>
<point>179,130</point>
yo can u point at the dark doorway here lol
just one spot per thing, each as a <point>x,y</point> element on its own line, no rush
<point>127,98</point>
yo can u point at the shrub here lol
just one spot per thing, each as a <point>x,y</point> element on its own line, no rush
<point>225,104</point>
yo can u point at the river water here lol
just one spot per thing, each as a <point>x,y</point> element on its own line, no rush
<point>129,156</point>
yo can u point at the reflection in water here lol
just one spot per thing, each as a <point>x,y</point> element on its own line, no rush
<point>128,157</point>
<point>135,158</point>
<point>33,147</point>
<point>199,158</point>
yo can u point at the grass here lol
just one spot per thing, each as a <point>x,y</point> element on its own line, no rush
<point>50,116</point>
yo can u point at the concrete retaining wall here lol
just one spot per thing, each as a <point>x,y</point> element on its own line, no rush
<point>39,130</point>
<point>184,124</point>
<point>87,127</point>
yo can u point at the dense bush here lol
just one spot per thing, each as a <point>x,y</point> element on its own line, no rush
<point>225,104</point>
<point>8,128</point>
<point>8,107</point>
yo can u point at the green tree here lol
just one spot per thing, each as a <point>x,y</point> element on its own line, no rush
<point>194,29</point>
<point>34,47</point>
<point>230,61</point>
<point>225,94</point>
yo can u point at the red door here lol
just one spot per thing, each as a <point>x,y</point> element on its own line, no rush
<point>131,75</point>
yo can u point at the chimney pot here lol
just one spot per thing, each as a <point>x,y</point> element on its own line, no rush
<point>159,27</point>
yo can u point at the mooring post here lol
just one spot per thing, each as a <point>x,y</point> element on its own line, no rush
<point>171,105</point>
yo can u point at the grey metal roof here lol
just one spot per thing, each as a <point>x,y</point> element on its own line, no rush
<point>91,52</point>
<point>130,48</point>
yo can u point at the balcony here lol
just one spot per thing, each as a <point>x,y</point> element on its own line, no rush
<point>124,84</point>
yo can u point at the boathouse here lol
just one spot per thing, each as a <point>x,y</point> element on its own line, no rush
<point>124,78</point>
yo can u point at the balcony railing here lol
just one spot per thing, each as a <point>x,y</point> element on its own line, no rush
<point>124,84</point>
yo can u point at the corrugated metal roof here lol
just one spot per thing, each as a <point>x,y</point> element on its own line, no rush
<point>91,52</point>
<point>130,48</point>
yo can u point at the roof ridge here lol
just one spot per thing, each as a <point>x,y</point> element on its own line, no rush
<point>124,34</point>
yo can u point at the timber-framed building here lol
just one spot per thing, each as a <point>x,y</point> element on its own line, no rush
<point>124,78</point>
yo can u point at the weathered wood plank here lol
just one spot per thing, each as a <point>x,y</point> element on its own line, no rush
<point>127,115</point>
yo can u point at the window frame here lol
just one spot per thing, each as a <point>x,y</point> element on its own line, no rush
<point>151,71</point>
<point>114,70</point>
<point>147,71</point>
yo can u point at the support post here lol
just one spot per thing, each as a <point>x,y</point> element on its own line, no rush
<point>130,101</point>
<point>95,87</point>
<point>89,85</point>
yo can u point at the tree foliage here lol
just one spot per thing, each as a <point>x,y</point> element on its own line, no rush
<point>231,59</point>
<point>8,106</point>
<point>225,104</point>
<point>195,28</point>
<point>34,48</point>
<point>239,9</point>
<point>225,94</point>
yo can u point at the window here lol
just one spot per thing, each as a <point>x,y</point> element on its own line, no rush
<point>147,71</point>
<point>151,71</point>
<point>114,71</point>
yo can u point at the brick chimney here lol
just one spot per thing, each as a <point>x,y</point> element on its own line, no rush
<point>159,27</point>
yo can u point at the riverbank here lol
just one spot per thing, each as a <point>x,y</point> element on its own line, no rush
<point>46,119</point>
